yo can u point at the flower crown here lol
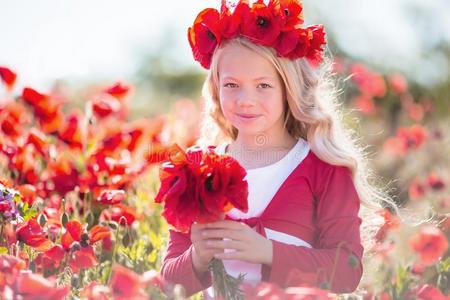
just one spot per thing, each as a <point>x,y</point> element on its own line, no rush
<point>277,25</point>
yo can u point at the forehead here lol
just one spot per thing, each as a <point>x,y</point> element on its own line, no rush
<point>240,62</point>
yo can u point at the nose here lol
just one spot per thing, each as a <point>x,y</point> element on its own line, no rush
<point>245,98</point>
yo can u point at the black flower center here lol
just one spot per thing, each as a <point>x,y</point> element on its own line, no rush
<point>286,12</point>
<point>211,35</point>
<point>262,22</point>
<point>208,183</point>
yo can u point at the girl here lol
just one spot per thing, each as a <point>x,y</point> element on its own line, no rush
<point>267,106</point>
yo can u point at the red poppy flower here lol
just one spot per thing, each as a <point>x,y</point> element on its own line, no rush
<point>31,233</point>
<point>104,105</point>
<point>98,233</point>
<point>33,286</point>
<point>51,258</point>
<point>435,182</point>
<point>398,83</point>
<point>71,133</point>
<point>317,40</point>
<point>28,193</point>
<point>74,232</point>
<point>416,190</point>
<point>95,291</point>
<point>119,210</point>
<point>46,109</point>
<point>112,141</point>
<point>262,25</point>
<point>303,44</point>
<point>430,243</point>
<point>10,126</point>
<point>118,90</point>
<point>413,137</point>
<point>34,98</point>
<point>415,111</point>
<point>126,284</point>
<point>406,139</point>
<point>291,14</point>
<point>365,104</point>
<point>369,82</point>
<point>287,42</point>
<point>9,263</point>
<point>111,196</point>
<point>82,259</point>
<point>63,174</point>
<point>8,77</point>
<point>204,36</point>
<point>135,135</point>
<point>200,186</point>
<point>390,222</point>
<point>230,22</point>
<point>39,140</point>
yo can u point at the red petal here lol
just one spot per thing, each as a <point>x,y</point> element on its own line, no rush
<point>8,77</point>
<point>73,233</point>
<point>98,233</point>
<point>83,259</point>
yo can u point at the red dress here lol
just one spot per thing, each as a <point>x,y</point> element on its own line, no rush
<point>317,203</point>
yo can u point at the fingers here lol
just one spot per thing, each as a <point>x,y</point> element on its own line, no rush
<point>226,224</point>
<point>225,244</point>
<point>222,233</point>
<point>236,255</point>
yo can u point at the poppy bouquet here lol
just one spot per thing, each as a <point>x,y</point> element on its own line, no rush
<point>277,24</point>
<point>201,186</point>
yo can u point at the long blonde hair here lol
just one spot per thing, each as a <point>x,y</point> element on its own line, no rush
<point>313,114</point>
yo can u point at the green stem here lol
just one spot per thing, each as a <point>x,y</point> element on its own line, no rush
<point>1,234</point>
<point>113,258</point>
<point>225,286</point>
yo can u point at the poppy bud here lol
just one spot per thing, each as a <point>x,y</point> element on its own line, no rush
<point>113,225</point>
<point>126,240</point>
<point>442,281</point>
<point>123,221</point>
<point>64,219</point>
<point>90,220</point>
<point>42,219</point>
<point>74,281</point>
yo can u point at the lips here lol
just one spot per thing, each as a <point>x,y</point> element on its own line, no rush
<point>247,115</point>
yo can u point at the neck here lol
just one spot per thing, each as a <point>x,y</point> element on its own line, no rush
<point>263,142</point>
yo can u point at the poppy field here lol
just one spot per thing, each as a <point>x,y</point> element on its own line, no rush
<point>78,217</point>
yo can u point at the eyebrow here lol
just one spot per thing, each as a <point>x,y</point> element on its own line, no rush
<point>256,79</point>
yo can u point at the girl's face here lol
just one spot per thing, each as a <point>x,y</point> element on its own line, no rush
<point>250,91</point>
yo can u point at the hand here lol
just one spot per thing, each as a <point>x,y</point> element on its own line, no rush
<point>248,245</point>
<point>201,252</point>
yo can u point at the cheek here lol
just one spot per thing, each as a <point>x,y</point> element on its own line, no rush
<point>226,101</point>
<point>274,102</point>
